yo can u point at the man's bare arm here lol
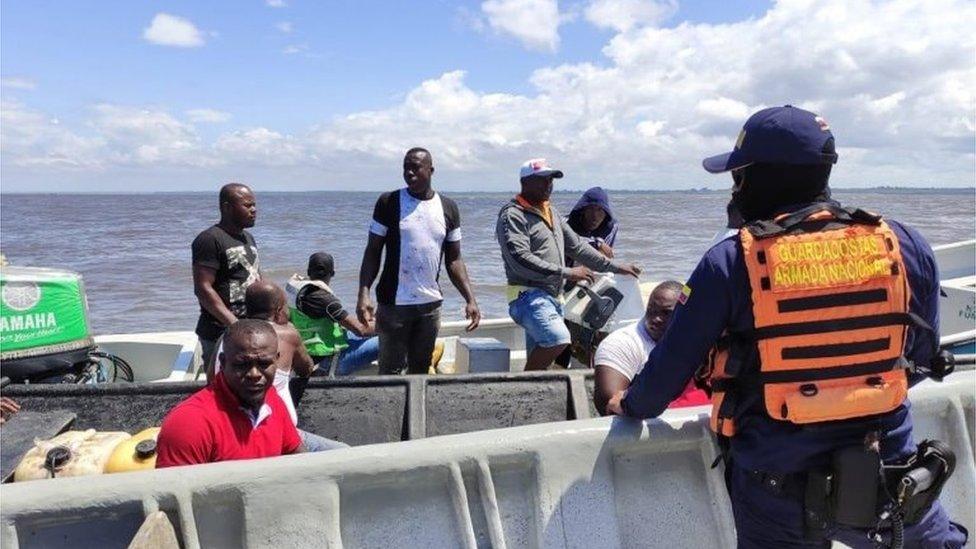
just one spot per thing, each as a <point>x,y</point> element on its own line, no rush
<point>367,275</point>
<point>203,286</point>
<point>361,329</point>
<point>457,271</point>
<point>301,363</point>
<point>210,368</point>
<point>608,382</point>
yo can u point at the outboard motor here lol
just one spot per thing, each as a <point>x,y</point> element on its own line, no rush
<point>594,311</point>
<point>44,328</point>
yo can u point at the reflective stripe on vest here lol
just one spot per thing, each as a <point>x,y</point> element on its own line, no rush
<point>830,300</point>
<point>322,336</point>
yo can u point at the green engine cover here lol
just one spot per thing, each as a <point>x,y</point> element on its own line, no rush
<point>42,311</point>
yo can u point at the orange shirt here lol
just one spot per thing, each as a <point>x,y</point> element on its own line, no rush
<point>543,208</point>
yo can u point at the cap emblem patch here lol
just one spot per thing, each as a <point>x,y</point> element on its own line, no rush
<point>740,139</point>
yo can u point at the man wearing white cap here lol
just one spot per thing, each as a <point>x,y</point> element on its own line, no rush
<point>535,240</point>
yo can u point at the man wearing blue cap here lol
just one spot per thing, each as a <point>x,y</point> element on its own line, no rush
<point>807,327</point>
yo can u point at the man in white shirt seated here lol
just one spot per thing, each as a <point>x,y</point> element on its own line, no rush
<point>621,356</point>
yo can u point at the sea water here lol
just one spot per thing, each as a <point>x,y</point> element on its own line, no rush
<point>134,249</point>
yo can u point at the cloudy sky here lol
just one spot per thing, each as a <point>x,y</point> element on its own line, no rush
<point>302,94</point>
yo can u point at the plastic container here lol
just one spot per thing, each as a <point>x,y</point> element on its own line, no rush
<point>623,289</point>
<point>70,454</point>
<point>135,454</point>
<point>479,355</point>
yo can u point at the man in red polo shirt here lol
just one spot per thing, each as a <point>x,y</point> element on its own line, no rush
<point>236,416</point>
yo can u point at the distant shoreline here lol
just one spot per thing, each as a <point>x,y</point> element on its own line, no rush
<point>882,189</point>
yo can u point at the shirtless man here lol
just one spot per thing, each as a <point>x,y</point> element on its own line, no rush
<point>267,301</point>
<point>270,303</point>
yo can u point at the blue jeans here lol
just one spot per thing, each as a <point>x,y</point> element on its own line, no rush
<point>541,316</point>
<point>360,353</point>
<point>316,443</point>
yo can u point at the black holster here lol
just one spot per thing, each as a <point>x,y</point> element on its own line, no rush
<point>914,486</point>
<point>845,494</point>
<point>859,491</point>
<point>856,486</point>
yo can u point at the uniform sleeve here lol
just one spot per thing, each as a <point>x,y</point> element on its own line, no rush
<point>616,352</point>
<point>513,235</point>
<point>581,251</point>
<point>695,326</point>
<point>184,439</point>
<point>318,303</point>
<point>923,278</point>
<point>381,221</point>
<point>205,250</point>
<point>453,218</point>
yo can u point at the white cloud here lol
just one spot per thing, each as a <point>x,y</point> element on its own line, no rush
<point>32,140</point>
<point>534,23</point>
<point>170,30</point>
<point>18,83</point>
<point>208,115</point>
<point>261,146</point>
<point>292,49</point>
<point>895,80</point>
<point>275,3</point>
<point>146,136</point>
<point>724,108</point>
<point>623,15</point>
<point>285,27</point>
<point>650,128</point>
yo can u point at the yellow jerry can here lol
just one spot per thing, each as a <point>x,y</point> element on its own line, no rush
<point>136,454</point>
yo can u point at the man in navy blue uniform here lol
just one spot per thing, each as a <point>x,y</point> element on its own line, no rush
<point>781,164</point>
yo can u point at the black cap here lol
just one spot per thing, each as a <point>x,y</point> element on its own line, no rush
<point>146,448</point>
<point>321,265</point>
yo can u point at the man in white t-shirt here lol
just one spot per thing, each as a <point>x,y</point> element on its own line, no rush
<point>622,355</point>
<point>419,229</point>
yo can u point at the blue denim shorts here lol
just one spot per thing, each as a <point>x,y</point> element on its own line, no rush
<point>541,316</point>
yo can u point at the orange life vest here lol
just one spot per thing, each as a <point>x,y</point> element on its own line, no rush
<point>830,301</point>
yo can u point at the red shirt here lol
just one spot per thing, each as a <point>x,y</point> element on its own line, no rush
<point>691,396</point>
<point>210,426</point>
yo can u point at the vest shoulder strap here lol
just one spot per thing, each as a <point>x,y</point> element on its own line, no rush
<point>319,284</point>
<point>769,228</point>
<point>297,284</point>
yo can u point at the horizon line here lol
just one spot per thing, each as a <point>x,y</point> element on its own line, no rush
<point>555,191</point>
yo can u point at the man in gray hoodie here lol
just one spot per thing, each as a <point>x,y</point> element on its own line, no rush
<point>535,240</point>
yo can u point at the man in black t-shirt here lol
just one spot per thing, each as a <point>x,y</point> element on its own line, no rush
<point>419,229</point>
<point>225,263</point>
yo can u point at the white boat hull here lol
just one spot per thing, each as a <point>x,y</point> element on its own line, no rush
<point>612,483</point>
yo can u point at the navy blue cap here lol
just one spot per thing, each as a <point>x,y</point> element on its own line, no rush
<point>778,135</point>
